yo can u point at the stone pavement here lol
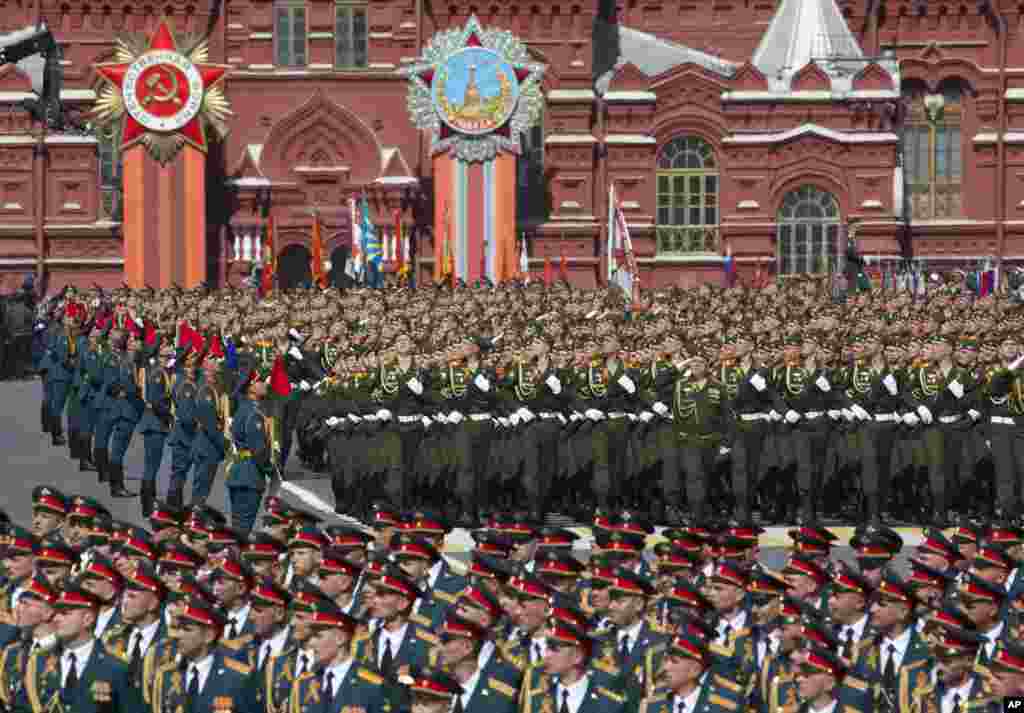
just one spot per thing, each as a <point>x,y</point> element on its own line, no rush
<point>31,460</point>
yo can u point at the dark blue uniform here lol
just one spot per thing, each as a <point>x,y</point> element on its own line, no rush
<point>126,410</point>
<point>209,443</point>
<point>250,462</point>
<point>154,427</point>
<point>106,413</point>
<point>59,364</point>
<point>104,685</point>
<point>183,434</point>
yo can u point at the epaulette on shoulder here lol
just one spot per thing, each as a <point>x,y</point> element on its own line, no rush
<point>717,700</point>
<point>855,683</point>
<point>116,654</point>
<point>745,631</point>
<point>362,633</point>
<point>444,596</point>
<point>723,682</point>
<point>506,653</point>
<point>614,695</point>
<point>720,650</point>
<point>238,666</point>
<point>428,636</point>
<point>979,704</point>
<point>236,644</point>
<point>420,619</point>
<point>370,677</point>
<point>503,688</point>
<point>606,666</point>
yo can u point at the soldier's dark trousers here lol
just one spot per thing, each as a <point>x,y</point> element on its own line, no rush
<point>610,441</point>
<point>203,475</point>
<point>153,455</point>
<point>807,442</point>
<point>58,396</point>
<point>695,464</point>
<point>289,415</point>
<point>472,441</point>
<point>540,460</point>
<point>181,463</point>
<point>245,507</point>
<point>746,464</point>
<point>400,480</point>
<point>879,440</point>
<point>943,446</point>
<point>1008,459</point>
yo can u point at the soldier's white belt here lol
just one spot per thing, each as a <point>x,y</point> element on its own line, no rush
<point>478,417</point>
<point>949,419</point>
<point>813,414</point>
<point>617,414</point>
<point>410,419</point>
<point>547,415</point>
<point>883,417</point>
<point>1005,420</point>
<point>753,416</point>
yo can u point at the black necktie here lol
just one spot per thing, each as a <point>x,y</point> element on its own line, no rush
<point>233,628</point>
<point>136,647</point>
<point>387,660</point>
<point>624,647</point>
<point>564,708</point>
<point>265,653</point>
<point>193,682</point>
<point>726,632</point>
<point>682,707</point>
<point>458,704</point>
<point>71,682</point>
<point>956,703</point>
<point>889,674</point>
<point>844,647</point>
<point>538,655</point>
<point>329,689</point>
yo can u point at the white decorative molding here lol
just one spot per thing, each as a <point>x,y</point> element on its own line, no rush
<point>809,96</point>
<point>261,35</point>
<point>567,139</point>
<point>381,65</point>
<point>843,137</point>
<point>990,137</point>
<point>321,66</point>
<point>321,35</point>
<point>12,206</point>
<point>570,205</point>
<point>261,67</point>
<point>567,96</point>
<point>630,139</point>
<point>630,205</point>
<point>634,97</point>
<point>871,204</point>
<point>748,205</point>
<point>111,261</point>
<point>82,95</point>
<point>72,206</point>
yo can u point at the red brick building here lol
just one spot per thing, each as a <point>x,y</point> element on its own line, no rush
<point>767,127</point>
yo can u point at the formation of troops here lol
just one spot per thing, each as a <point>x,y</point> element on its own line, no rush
<point>189,615</point>
<point>702,402</point>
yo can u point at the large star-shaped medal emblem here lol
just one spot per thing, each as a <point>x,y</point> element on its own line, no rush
<point>162,91</point>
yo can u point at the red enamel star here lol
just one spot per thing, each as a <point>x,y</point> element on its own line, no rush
<point>163,97</point>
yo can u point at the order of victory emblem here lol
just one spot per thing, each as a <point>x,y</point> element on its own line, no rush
<point>164,97</point>
<point>475,90</point>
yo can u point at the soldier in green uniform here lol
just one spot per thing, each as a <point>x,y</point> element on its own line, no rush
<point>35,620</point>
<point>956,685</point>
<point>1006,414</point>
<point>142,624</point>
<point>491,686</point>
<point>688,682</point>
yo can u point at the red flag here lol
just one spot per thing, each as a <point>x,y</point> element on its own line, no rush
<point>216,348</point>
<point>316,259</point>
<point>267,281</point>
<point>547,270</point>
<point>451,269</point>
<point>150,334</point>
<point>483,263</point>
<point>279,383</point>
<point>399,243</point>
<point>563,266</point>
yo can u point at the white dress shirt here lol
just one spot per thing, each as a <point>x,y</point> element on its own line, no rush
<point>434,573</point>
<point>395,637</point>
<point>899,645</point>
<point>203,666</point>
<point>963,690</point>
<point>273,646</point>
<point>486,651</point>
<point>631,634</point>
<point>239,617</point>
<point>81,654</point>
<point>734,624</point>
<point>1011,579</point>
<point>147,634</point>
<point>538,646</point>
<point>340,670</point>
<point>768,646</point>
<point>469,687</point>
<point>830,708</point>
<point>992,636</point>
<point>103,621</point>
<point>687,704</point>
<point>577,693</point>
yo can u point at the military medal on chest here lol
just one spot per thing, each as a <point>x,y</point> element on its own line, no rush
<point>796,380</point>
<point>524,384</point>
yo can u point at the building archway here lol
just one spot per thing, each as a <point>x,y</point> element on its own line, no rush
<point>808,232</point>
<point>293,267</point>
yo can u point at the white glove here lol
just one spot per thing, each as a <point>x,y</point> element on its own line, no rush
<point>513,419</point>
<point>353,418</point>
<point>847,414</point>
<point>822,383</point>
<point>455,417</point>
<point>593,414</point>
<point>415,386</point>
<point>171,362</point>
<point>383,415</point>
<point>956,388</point>
<point>526,414</point>
<point>890,384</point>
<point>660,408</point>
<point>792,416</point>
<point>139,322</point>
<point>502,421</point>
<point>370,417</point>
<point>775,415</point>
<point>926,415</point>
<point>911,419</point>
<point>482,383</point>
<point>627,383</point>
<point>554,384</point>
<point>1015,364</point>
<point>440,418</point>
<point>294,351</point>
<point>40,326</point>
<point>305,385</point>
<point>647,416</point>
<point>724,451</point>
<point>835,414</point>
<point>758,382</point>
<point>332,421</point>
<point>860,413</point>
<point>974,415</point>
<point>575,416</point>
<point>425,421</point>
<point>562,419</point>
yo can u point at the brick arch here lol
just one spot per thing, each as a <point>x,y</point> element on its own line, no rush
<point>321,125</point>
<point>932,74</point>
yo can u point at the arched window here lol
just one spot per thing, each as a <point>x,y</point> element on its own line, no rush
<point>110,160</point>
<point>808,232</point>
<point>932,152</point>
<point>687,197</point>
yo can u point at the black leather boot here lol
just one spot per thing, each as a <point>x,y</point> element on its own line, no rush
<point>147,497</point>
<point>58,435</point>
<point>85,462</point>
<point>73,441</point>
<point>176,498</point>
<point>872,510</point>
<point>45,422</point>
<point>117,489</point>
<point>99,457</point>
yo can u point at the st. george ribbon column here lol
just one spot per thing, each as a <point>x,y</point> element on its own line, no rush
<point>166,99</point>
<point>475,90</point>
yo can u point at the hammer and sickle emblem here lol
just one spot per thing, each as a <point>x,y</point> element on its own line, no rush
<point>159,91</point>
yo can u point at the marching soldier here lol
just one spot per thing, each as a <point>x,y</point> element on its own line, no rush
<point>696,412</point>
<point>208,449</point>
<point>251,455</point>
<point>1006,413</point>
<point>183,431</point>
<point>157,417</point>
<point>125,410</point>
<point>689,683</point>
